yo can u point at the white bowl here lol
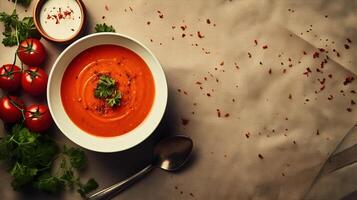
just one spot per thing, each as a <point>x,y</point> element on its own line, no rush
<point>106,144</point>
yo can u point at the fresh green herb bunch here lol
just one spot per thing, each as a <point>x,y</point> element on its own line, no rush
<point>107,90</point>
<point>103,28</point>
<point>32,159</point>
<point>17,30</point>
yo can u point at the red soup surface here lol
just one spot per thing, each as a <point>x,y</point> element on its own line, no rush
<point>133,79</point>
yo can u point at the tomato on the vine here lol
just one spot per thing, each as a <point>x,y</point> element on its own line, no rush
<point>38,117</point>
<point>11,108</point>
<point>34,81</point>
<point>10,76</point>
<point>31,52</point>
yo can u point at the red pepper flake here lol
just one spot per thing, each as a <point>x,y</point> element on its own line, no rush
<point>199,34</point>
<point>160,14</point>
<point>184,121</point>
<point>321,81</point>
<point>255,42</point>
<point>308,70</point>
<point>249,55</point>
<point>261,156</point>
<point>348,80</point>
<point>290,97</point>
<point>265,47</point>
<point>349,109</point>
<point>347,46</point>
<point>218,112</point>
<point>247,135</point>
<point>208,21</point>
<point>315,55</point>
<point>349,40</point>
<point>106,8</point>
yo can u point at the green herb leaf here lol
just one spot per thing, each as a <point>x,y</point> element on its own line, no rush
<point>115,99</point>
<point>104,28</point>
<point>22,175</point>
<point>77,158</point>
<point>49,183</point>
<point>105,88</point>
<point>23,2</point>
<point>69,178</point>
<point>88,187</point>
<point>17,29</point>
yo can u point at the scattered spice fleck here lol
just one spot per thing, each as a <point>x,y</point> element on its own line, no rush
<point>249,55</point>
<point>160,14</point>
<point>218,112</point>
<point>348,80</point>
<point>260,156</point>
<point>349,109</point>
<point>106,8</point>
<point>199,34</point>
<point>208,21</point>
<point>148,23</point>
<point>290,96</point>
<point>184,121</point>
<point>265,47</point>
<point>349,40</point>
<point>347,46</point>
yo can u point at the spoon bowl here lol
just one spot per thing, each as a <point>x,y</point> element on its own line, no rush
<point>170,154</point>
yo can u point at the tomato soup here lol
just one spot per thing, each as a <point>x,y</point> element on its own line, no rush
<point>133,79</point>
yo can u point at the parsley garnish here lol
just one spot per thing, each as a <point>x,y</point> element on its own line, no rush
<point>103,28</point>
<point>32,159</point>
<point>17,30</point>
<point>107,90</point>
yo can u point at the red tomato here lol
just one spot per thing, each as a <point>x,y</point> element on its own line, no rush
<point>10,109</point>
<point>10,76</point>
<point>34,81</point>
<point>31,52</point>
<point>38,117</point>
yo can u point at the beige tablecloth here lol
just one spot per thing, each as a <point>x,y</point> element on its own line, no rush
<point>263,115</point>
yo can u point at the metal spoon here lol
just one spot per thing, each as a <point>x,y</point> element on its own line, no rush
<point>170,154</point>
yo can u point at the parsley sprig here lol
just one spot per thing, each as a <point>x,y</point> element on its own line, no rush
<point>32,159</point>
<point>107,90</point>
<point>17,30</point>
<point>103,28</point>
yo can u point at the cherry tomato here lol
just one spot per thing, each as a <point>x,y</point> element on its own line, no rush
<point>10,77</point>
<point>34,81</point>
<point>10,109</point>
<point>38,117</point>
<point>31,52</point>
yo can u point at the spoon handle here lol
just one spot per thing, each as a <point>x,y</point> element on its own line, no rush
<point>115,189</point>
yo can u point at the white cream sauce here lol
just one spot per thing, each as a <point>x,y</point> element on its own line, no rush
<point>61,19</point>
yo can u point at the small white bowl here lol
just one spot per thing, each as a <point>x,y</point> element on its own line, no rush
<point>106,144</point>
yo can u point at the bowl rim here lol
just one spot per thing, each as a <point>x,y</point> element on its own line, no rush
<point>163,97</point>
<point>36,19</point>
